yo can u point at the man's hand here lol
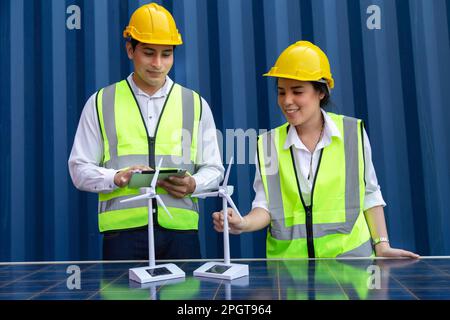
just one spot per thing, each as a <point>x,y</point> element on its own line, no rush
<point>383,249</point>
<point>122,178</point>
<point>179,187</point>
<point>235,223</point>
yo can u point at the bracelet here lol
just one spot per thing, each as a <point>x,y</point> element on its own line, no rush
<point>380,239</point>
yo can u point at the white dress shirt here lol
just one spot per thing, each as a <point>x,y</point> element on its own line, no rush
<point>87,150</point>
<point>302,159</point>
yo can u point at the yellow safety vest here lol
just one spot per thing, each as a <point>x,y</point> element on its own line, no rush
<point>334,224</point>
<point>126,142</point>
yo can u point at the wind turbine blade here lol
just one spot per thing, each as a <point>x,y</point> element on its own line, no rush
<point>230,201</point>
<point>161,203</point>
<point>140,197</point>
<point>205,195</point>
<point>155,177</point>
<point>227,175</point>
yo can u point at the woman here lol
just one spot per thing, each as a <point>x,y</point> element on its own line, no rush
<point>315,183</point>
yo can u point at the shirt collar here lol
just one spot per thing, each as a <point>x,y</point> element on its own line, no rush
<point>161,93</point>
<point>329,130</point>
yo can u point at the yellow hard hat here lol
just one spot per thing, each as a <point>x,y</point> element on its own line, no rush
<point>153,24</point>
<point>302,61</point>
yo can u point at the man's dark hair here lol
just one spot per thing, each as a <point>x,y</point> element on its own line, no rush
<point>135,42</point>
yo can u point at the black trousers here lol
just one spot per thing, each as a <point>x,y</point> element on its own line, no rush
<point>133,244</point>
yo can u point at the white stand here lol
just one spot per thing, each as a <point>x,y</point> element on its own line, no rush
<point>156,273</point>
<point>223,270</point>
<point>153,272</point>
<point>220,270</point>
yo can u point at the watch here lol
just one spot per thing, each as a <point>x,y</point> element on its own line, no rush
<point>380,239</point>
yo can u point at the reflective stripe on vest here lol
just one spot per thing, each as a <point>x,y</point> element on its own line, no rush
<point>126,143</point>
<point>338,223</point>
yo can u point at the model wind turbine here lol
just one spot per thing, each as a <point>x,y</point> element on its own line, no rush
<point>223,270</point>
<point>153,272</point>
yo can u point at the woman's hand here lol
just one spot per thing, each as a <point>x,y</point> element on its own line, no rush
<point>235,223</point>
<point>383,249</point>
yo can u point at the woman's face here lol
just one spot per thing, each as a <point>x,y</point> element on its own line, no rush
<point>298,100</point>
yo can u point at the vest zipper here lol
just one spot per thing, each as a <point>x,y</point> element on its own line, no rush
<point>151,151</point>
<point>309,231</point>
<point>151,143</point>
<point>308,209</point>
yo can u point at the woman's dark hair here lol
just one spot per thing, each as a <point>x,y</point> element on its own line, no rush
<point>322,88</point>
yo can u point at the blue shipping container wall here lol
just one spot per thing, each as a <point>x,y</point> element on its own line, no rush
<point>394,77</point>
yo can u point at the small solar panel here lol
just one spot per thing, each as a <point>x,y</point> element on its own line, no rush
<point>158,271</point>
<point>219,269</point>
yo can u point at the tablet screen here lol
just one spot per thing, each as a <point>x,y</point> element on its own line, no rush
<point>174,171</point>
<point>144,179</point>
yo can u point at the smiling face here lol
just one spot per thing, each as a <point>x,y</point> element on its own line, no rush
<point>298,100</point>
<point>151,65</point>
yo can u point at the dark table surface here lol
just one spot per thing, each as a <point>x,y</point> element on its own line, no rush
<point>302,279</point>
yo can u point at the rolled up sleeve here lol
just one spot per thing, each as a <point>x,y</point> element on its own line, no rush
<point>373,196</point>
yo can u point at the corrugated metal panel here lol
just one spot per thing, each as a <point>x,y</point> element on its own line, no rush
<point>394,78</point>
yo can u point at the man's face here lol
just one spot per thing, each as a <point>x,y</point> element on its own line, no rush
<point>152,63</point>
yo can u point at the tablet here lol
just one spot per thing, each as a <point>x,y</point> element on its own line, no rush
<point>144,179</point>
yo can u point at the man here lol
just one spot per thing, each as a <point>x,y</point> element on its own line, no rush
<point>128,127</point>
